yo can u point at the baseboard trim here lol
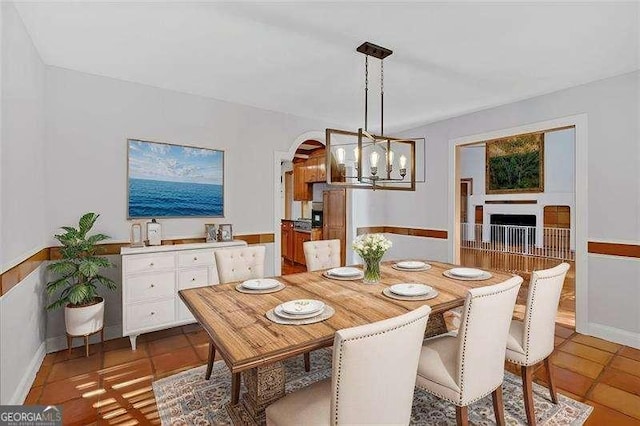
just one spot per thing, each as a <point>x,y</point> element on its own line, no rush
<point>24,386</point>
<point>613,334</point>
<point>58,343</point>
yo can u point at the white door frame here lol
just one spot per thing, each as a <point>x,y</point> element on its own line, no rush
<point>581,173</point>
<point>278,211</point>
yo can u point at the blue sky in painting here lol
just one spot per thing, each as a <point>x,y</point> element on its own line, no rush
<point>173,163</point>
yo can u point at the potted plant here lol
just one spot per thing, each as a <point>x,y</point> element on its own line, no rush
<point>78,277</point>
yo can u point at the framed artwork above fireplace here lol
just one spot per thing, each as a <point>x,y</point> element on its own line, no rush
<point>515,164</point>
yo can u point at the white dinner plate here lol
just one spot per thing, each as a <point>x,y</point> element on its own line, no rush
<point>281,313</point>
<point>466,272</point>
<point>346,271</point>
<point>411,264</point>
<point>410,289</point>
<point>260,284</point>
<point>302,307</point>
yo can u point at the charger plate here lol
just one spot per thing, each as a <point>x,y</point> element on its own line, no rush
<point>326,314</point>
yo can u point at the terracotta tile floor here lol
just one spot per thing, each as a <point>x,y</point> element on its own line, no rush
<point>113,384</point>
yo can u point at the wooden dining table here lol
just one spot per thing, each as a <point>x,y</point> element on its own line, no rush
<point>251,344</point>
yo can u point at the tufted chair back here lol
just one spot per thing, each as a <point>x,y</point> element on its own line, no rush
<point>542,306</point>
<point>240,264</point>
<point>482,338</point>
<point>375,368</point>
<point>322,254</point>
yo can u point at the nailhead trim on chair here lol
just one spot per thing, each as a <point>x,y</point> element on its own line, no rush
<point>460,400</point>
<point>527,316</point>
<point>339,372</point>
<point>527,341</point>
<point>464,342</point>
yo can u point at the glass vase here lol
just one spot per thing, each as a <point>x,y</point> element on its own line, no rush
<point>372,270</point>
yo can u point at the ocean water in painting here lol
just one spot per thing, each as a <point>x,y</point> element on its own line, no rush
<point>155,198</point>
<point>174,181</point>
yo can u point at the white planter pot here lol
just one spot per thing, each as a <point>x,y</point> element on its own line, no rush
<point>84,320</point>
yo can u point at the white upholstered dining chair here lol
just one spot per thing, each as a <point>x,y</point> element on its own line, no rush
<point>318,255</point>
<point>236,265</point>
<point>373,377</point>
<point>532,341</point>
<point>321,254</point>
<point>464,368</point>
<point>240,264</point>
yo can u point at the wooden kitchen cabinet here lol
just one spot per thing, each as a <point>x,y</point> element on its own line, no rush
<point>299,238</point>
<point>298,251</point>
<point>334,221</point>
<point>311,170</point>
<point>286,240</point>
<point>316,170</point>
<point>302,191</point>
<point>316,234</point>
<point>322,169</point>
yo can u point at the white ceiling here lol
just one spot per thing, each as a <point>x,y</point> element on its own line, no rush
<point>300,58</point>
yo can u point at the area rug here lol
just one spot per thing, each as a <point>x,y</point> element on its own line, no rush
<point>188,399</point>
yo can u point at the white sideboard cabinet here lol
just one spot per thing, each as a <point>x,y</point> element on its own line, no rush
<point>151,278</point>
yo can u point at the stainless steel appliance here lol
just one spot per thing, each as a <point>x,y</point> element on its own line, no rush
<point>317,213</point>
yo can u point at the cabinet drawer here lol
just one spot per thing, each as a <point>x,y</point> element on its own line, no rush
<point>191,278</point>
<point>149,315</point>
<point>196,258</point>
<point>135,264</point>
<point>150,286</point>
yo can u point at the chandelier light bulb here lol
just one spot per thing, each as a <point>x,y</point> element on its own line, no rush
<point>374,159</point>
<point>340,153</point>
<point>390,158</point>
<point>356,153</point>
<point>403,162</point>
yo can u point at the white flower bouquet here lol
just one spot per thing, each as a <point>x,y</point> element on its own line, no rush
<point>371,248</point>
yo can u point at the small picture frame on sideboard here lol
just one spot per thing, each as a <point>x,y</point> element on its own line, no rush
<point>211,232</point>
<point>137,239</point>
<point>225,232</point>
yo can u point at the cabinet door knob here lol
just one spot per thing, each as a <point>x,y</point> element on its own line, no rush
<point>153,313</point>
<point>151,264</point>
<point>195,258</point>
<point>193,279</point>
<point>153,285</point>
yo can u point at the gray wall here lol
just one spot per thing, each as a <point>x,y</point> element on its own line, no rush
<point>22,229</point>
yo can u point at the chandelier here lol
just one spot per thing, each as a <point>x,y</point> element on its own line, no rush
<point>364,159</point>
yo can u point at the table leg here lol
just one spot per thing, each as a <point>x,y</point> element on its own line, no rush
<point>265,385</point>
<point>436,325</point>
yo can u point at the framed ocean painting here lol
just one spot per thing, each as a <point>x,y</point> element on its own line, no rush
<point>166,180</point>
